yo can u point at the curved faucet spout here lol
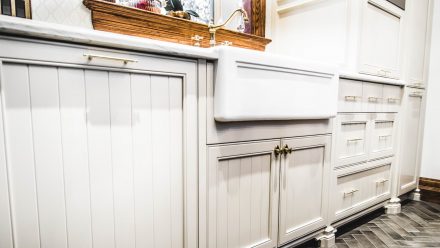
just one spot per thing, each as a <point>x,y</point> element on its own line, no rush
<point>213,28</point>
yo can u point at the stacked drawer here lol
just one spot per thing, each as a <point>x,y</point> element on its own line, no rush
<point>364,146</point>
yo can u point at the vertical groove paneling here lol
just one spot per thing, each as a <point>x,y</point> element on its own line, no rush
<point>20,156</point>
<point>265,196</point>
<point>142,160</point>
<point>256,200</point>
<point>120,112</point>
<point>161,160</point>
<point>75,157</point>
<point>234,203</point>
<point>176,158</point>
<point>100,159</point>
<point>222,203</point>
<point>245,201</point>
<point>5,211</point>
<point>48,155</point>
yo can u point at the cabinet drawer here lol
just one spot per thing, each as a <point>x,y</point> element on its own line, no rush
<point>392,98</point>
<point>372,97</point>
<point>351,138</point>
<point>362,186</point>
<point>382,139</point>
<point>350,96</point>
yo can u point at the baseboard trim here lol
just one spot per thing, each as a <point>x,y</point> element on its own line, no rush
<point>430,189</point>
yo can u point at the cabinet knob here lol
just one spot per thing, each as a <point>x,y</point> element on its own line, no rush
<point>277,151</point>
<point>287,150</point>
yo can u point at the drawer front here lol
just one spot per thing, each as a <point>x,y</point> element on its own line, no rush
<point>362,186</point>
<point>372,97</point>
<point>392,98</point>
<point>350,96</point>
<point>382,139</point>
<point>352,137</point>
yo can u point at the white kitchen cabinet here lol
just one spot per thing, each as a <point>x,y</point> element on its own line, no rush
<point>99,153</point>
<point>416,33</point>
<point>380,41</point>
<point>383,130</point>
<point>359,187</point>
<point>243,195</point>
<point>304,187</point>
<point>410,141</point>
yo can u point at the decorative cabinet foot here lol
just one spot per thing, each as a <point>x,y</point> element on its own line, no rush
<point>327,239</point>
<point>393,207</point>
<point>415,196</point>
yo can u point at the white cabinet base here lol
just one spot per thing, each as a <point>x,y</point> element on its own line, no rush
<point>393,207</point>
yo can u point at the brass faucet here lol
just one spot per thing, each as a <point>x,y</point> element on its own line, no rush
<point>213,28</point>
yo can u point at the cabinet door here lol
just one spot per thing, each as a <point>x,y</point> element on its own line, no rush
<point>417,22</point>
<point>243,195</point>
<point>352,137</point>
<point>99,158</point>
<point>372,97</point>
<point>380,39</point>
<point>304,187</point>
<point>382,138</point>
<point>408,156</point>
<point>392,98</point>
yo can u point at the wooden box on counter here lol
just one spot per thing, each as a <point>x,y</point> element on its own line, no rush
<point>110,17</point>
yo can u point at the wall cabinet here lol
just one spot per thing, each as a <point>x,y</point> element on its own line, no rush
<point>416,31</point>
<point>380,41</point>
<point>410,141</point>
<point>87,148</point>
<point>253,193</point>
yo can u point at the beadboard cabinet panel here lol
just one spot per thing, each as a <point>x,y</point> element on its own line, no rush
<point>304,187</point>
<point>87,150</point>
<point>243,195</point>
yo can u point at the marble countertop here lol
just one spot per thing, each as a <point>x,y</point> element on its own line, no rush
<point>44,30</point>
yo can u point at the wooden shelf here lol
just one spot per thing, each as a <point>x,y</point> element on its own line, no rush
<point>110,17</point>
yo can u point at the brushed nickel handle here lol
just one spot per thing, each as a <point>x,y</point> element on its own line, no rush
<point>416,94</point>
<point>352,98</point>
<point>354,140</point>
<point>125,60</point>
<point>382,181</point>
<point>393,100</point>
<point>277,151</point>
<point>373,99</point>
<point>351,192</point>
<point>384,137</point>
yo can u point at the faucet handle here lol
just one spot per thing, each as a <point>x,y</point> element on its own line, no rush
<point>227,43</point>
<point>197,39</point>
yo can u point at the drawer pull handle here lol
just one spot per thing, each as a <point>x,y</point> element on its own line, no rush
<point>416,94</point>
<point>354,140</point>
<point>393,100</point>
<point>373,99</point>
<point>382,181</point>
<point>351,192</point>
<point>352,98</point>
<point>384,137</point>
<point>92,56</point>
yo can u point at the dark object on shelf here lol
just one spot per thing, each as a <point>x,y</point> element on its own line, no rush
<point>110,17</point>
<point>174,8</point>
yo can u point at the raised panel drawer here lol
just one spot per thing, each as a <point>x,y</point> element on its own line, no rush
<point>382,139</point>
<point>362,186</point>
<point>352,136</point>
<point>392,98</point>
<point>350,96</point>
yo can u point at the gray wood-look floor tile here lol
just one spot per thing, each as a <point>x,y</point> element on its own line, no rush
<point>417,226</point>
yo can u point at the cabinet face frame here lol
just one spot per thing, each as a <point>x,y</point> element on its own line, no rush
<point>33,52</point>
<point>377,70</point>
<point>217,154</point>
<point>287,233</point>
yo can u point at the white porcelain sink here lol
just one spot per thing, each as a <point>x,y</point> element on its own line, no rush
<point>251,85</point>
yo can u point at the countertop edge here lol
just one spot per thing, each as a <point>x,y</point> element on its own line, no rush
<point>57,32</point>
